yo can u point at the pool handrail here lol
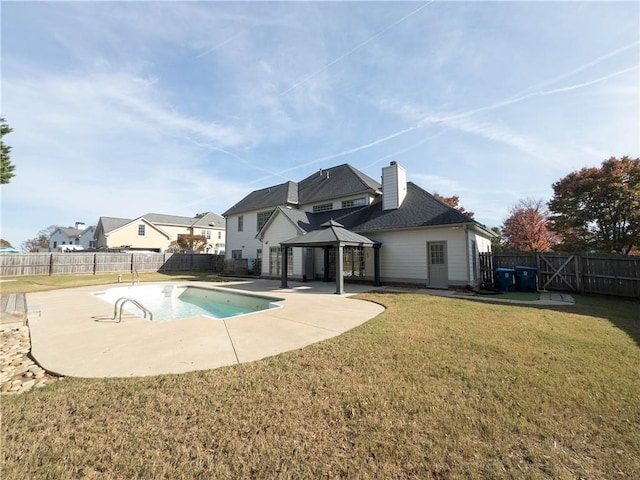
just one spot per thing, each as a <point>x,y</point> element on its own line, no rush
<point>122,300</point>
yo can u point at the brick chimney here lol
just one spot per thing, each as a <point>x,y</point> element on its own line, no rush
<point>394,186</point>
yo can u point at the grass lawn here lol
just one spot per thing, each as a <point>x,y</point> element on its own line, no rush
<point>39,283</point>
<point>432,388</point>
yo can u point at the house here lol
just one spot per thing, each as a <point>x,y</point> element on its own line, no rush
<point>155,232</point>
<point>79,238</point>
<point>394,232</point>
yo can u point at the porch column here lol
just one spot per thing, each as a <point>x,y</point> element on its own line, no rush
<point>376,266</point>
<point>339,270</point>
<point>285,267</point>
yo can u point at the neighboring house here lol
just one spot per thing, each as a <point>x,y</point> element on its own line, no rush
<point>78,238</point>
<point>155,232</point>
<point>394,232</point>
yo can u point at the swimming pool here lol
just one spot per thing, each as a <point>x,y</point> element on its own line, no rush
<point>175,302</point>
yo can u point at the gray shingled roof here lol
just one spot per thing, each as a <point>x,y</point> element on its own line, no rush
<point>335,182</point>
<point>308,221</point>
<point>109,224</point>
<point>283,194</point>
<point>419,209</point>
<point>208,219</point>
<point>329,233</point>
<point>71,232</point>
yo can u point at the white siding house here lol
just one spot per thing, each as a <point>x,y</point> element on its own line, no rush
<point>78,237</point>
<point>421,240</point>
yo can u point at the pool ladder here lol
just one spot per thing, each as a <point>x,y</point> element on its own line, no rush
<point>122,301</point>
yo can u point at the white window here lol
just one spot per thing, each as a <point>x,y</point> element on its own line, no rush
<point>262,218</point>
<point>275,261</point>
<point>240,223</point>
<point>356,202</point>
<point>325,207</point>
<point>141,229</point>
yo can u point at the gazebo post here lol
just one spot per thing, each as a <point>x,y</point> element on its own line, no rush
<point>285,267</point>
<point>339,270</point>
<point>376,265</point>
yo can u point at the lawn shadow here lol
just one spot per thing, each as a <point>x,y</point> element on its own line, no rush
<point>623,313</point>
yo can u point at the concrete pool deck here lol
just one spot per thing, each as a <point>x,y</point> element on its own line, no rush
<point>73,334</point>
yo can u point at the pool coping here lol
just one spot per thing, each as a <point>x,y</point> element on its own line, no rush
<point>75,334</point>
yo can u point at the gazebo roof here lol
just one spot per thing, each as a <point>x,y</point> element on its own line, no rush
<point>330,233</point>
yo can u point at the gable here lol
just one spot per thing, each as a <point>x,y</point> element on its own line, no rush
<point>132,225</point>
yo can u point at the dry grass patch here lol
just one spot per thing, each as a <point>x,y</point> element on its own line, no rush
<point>432,388</point>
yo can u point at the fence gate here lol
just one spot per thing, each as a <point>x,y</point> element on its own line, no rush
<point>555,272</point>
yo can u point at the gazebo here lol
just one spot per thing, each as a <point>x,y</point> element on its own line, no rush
<point>331,234</point>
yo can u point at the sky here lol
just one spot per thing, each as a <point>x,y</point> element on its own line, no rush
<point>120,109</point>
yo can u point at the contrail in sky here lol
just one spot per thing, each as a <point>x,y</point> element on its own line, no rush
<point>511,101</point>
<point>582,67</point>
<point>443,119</point>
<point>354,49</point>
<point>216,47</point>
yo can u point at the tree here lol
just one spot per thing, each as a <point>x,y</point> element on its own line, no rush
<point>6,167</point>
<point>193,243</point>
<point>5,243</point>
<point>453,202</point>
<point>41,241</point>
<point>599,208</point>
<point>498,243</point>
<point>527,228</point>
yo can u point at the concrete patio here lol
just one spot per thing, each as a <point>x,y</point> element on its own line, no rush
<point>73,333</point>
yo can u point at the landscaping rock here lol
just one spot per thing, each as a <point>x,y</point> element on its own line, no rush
<point>18,371</point>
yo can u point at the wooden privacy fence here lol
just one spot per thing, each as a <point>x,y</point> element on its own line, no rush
<point>607,274</point>
<point>97,263</point>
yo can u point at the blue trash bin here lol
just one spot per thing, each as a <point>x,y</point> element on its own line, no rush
<point>526,279</point>
<point>506,279</point>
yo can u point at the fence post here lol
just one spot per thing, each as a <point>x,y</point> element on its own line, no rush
<point>50,264</point>
<point>579,270</point>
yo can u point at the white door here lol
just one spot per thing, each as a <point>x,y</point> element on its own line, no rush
<point>437,275</point>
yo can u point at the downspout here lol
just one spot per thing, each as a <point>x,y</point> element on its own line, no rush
<point>467,246</point>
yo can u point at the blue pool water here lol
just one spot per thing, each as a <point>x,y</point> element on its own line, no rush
<point>171,302</point>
